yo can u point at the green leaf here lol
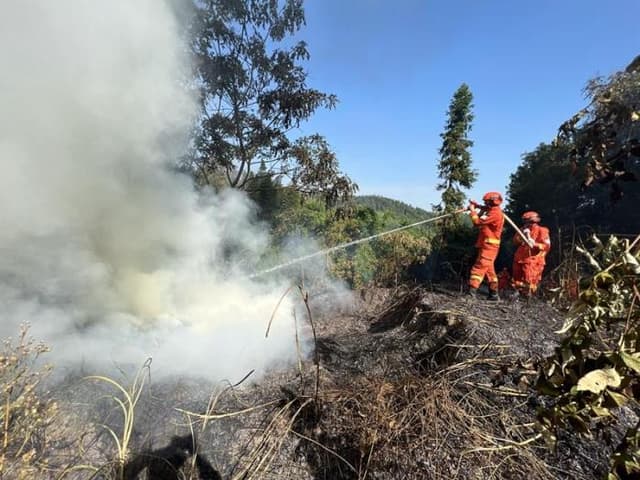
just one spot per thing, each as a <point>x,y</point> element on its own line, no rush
<point>616,399</point>
<point>601,411</point>
<point>631,465</point>
<point>598,380</point>
<point>631,360</point>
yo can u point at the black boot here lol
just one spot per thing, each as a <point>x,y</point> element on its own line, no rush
<point>493,296</point>
<point>473,292</point>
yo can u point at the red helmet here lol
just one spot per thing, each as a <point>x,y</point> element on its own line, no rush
<point>531,216</point>
<point>492,198</point>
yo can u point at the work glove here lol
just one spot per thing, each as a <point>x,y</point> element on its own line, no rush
<point>527,234</point>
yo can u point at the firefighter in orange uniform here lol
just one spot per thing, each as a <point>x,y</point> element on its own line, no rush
<point>529,260</point>
<point>489,221</point>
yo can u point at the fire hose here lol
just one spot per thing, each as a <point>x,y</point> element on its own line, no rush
<point>526,239</point>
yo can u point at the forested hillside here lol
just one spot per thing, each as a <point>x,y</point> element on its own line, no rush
<point>396,208</point>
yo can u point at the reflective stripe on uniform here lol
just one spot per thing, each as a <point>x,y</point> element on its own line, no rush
<point>492,241</point>
<point>476,277</point>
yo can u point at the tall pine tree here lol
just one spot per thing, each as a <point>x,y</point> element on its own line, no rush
<point>454,167</point>
<point>450,248</point>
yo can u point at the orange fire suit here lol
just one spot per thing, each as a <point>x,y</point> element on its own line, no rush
<point>528,262</point>
<point>490,225</point>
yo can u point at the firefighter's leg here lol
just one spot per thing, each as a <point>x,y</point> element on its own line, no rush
<point>517,282</point>
<point>477,274</point>
<point>536,274</point>
<point>493,280</point>
<point>530,275</point>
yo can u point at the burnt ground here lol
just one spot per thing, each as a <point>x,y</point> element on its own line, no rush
<point>408,384</point>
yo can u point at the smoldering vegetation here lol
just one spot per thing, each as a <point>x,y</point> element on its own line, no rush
<point>108,251</point>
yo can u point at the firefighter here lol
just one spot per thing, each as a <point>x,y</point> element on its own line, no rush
<point>489,220</point>
<point>529,259</point>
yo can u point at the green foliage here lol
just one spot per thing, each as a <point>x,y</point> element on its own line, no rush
<point>401,211</point>
<point>302,218</point>
<point>602,144</point>
<point>452,245</point>
<point>594,160</point>
<point>382,261</point>
<point>397,252</point>
<point>456,252</point>
<point>316,171</point>
<point>266,192</point>
<point>543,183</point>
<point>596,367</point>
<point>253,89</point>
<point>454,166</point>
<point>604,137</point>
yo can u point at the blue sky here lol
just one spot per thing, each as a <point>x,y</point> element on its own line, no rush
<point>395,64</point>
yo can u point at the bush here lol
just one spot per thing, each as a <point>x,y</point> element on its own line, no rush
<point>596,368</point>
<point>25,413</point>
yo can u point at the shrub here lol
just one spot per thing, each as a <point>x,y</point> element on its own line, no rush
<point>596,368</point>
<point>25,412</point>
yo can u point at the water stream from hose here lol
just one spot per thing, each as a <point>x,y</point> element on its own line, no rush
<point>349,244</point>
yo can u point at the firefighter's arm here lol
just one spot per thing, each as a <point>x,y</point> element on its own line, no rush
<point>473,213</point>
<point>517,240</point>
<point>542,240</point>
<point>493,216</point>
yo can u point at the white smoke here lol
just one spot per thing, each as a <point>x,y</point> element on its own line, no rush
<point>107,253</point>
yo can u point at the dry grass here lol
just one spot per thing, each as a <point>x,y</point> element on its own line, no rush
<point>417,427</point>
<point>25,415</point>
<point>410,428</point>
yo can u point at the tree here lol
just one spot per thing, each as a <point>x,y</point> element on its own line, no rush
<point>604,137</point>
<point>266,192</point>
<point>542,182</point>
<point>450,255</point>
<point>316,171</point>
<point>454,166</point>
<point>253,88</point>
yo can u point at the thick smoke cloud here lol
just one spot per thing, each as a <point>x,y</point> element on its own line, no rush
<point>106,252</point>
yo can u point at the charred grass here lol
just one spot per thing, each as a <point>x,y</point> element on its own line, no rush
<point>402,385</point>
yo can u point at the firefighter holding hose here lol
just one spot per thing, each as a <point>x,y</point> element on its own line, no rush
<point>529,259</point>
<point>489,220</point>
